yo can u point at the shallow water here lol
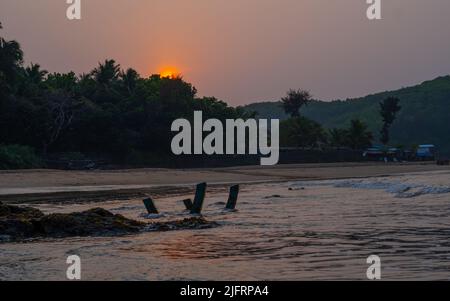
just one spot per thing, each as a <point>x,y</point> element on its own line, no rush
<point>322,230</point>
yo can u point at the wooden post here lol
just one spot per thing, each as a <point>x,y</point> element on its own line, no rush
<point>150,206</point>
<point>233,197</point>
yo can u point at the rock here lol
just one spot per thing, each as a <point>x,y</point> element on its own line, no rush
<point>19,223</point>
<point>18,228</point>
<point>293,189</point>
<point>19,212</point>
<point>23,222</point>
<point>275,196</point>
<point>185,224</point>
<point>94,222</point>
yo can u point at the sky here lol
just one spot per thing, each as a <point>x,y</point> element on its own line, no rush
<point>243,51</point>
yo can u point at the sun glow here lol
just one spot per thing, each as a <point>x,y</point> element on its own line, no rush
<point>170,72</point>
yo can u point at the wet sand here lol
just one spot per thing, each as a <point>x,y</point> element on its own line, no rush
<point>47,185</point>
<point>305,222</point>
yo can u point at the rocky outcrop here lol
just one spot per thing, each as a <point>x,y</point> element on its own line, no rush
<point>18,223</point>
<point>94,222</point>
<point>7,211</point>
<point>24,222</point>
<point>188,223</point>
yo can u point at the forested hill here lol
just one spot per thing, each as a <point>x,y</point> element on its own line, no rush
<point>424,118</point>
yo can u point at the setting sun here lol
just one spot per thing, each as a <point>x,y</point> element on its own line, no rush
<point>170,72</point>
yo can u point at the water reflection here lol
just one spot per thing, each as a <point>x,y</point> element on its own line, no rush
<point>323,231</point>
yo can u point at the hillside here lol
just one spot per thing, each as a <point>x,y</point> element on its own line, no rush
<point>424,117</point>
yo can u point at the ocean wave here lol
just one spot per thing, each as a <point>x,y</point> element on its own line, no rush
<point>399,189</point>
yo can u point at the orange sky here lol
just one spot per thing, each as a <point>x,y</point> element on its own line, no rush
<point>244,50</point>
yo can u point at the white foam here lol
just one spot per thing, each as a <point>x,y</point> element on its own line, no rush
<point>399,189</point>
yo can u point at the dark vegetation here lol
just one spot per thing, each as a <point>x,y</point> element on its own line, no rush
<point>423,118</point>
<point>116,116</point>
<point>294,101</point>
<point>18,157</point>
<point>301,132</point>
<point>388,110</point>
<point>109,113</point>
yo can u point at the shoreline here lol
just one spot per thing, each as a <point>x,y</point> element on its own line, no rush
<point>44,186</point>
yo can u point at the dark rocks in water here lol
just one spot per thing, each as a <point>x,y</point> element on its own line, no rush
<point>292,189</point>
<point>187,223</point>
<point>94,222</point>
<point>18,223</point>
<point>19,212</point>
<point>17,228</point>
<point>275,196</point>
<point>21,222</point>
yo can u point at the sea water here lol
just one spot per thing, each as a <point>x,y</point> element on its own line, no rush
<point>320,230</point>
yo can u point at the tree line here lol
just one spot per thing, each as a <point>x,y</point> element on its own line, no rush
<point>299,131</point>
<point>117,114</point>
<point>107,112</point>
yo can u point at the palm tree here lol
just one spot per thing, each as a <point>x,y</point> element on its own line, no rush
<point>294,101</point>
<point>106,79</point>
<point>358,135</point>
<point>62,81</point>
<point>388,111</point>
<point>338,137</point>
<point>106,73</point>
<point>34,74</point>
<point>11,58</point>
<point>130,79</point>
<point>302,132</point>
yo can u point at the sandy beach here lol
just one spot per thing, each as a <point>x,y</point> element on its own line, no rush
<point>284,229</point>
<point>46,185</point>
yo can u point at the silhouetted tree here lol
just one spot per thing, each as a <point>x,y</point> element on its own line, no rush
<point>338,137</point>
<point>67,82</point>
<point>294,101</point>
<point>34,74</point>
<point>388,111</point>
<point>301,132</point>
<point>56,114</point>
<point>107,112</point>
<point>106,73</point>
<point>130,79</point>
<point>11,59</point>
<point>358,135</point>
<point>31,84</point>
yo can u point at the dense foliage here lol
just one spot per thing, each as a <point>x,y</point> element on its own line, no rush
<point>423,117</point>
<point>294,101</point>
<point>388,111</point>
<point>302,132</point>
<point>306,133</point>
<point>108,112</point>
<point>18,157</point>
